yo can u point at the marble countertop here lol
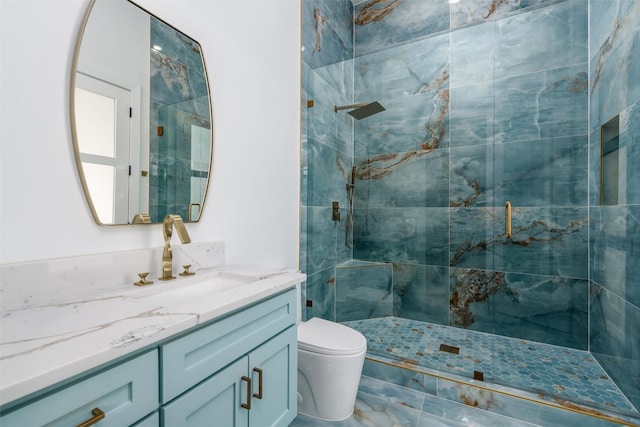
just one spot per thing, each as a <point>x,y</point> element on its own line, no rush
<point>45,343</point>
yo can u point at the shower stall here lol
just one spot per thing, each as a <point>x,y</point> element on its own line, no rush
<point>490,211</point>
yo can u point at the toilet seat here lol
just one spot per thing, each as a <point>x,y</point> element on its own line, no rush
<point>324,337</point>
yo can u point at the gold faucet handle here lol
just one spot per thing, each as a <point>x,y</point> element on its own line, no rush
<point>143,280</point>
<point>186,271</point>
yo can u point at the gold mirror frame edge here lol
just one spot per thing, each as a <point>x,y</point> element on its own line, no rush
<point>74,134</point>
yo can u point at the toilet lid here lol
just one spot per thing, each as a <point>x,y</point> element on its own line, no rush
<point>325,337</point>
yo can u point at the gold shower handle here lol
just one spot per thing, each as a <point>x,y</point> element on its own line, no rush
<point>507,226</point>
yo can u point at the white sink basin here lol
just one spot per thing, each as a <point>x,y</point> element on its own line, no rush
<point>185,289</point>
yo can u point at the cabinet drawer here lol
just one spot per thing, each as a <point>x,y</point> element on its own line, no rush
<point>192,358</point>
<point>125,393</point>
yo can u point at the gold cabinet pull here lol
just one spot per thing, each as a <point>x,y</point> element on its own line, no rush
<point>247,405</point>
<point>258,395</point>
<point>97,416</point>
<point>507,226</point>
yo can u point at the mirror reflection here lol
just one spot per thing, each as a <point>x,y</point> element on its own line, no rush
<point>141,116</point>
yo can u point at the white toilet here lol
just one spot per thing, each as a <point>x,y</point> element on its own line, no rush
<point>330,359</point>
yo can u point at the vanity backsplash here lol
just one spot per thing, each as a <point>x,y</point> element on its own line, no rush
<point>40,282</point>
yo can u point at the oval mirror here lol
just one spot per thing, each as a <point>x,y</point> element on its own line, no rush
<point>140,116</point>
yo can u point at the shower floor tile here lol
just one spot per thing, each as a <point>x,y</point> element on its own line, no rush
<point>560,372</point>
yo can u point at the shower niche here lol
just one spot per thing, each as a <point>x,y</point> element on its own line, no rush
<point>612,165</point>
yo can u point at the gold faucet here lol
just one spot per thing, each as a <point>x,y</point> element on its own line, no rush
<point>167,258</point>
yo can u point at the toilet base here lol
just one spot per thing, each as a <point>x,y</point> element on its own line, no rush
<point>328,385</point>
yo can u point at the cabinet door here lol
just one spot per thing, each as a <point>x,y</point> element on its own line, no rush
<point>215,402</point>
<point>274,365</point>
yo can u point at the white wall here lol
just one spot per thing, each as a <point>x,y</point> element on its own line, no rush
<point>252,51</point>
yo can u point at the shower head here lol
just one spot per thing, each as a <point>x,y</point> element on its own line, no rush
<point>361,111</point>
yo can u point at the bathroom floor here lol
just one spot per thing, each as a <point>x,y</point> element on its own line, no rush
<point>557,371</point>
<point>381,404</point>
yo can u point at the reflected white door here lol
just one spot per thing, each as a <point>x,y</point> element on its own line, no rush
<point>103,129</point>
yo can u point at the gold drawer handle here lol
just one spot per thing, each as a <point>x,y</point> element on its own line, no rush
<point>258,395</point>
<point>507,227</point>
<point>97,416</point>
<point>247,405</point>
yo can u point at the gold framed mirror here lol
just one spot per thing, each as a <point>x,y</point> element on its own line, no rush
<point>141,116</point>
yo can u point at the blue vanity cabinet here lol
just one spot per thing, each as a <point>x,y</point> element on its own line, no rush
<point>125,393</point>
<point>239,371</point>
<point>257,390</point>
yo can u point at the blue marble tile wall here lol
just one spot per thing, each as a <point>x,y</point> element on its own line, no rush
<point>615,229</point>
<point>477,115</point>
<point>327,148</point>
<point>179,99</point>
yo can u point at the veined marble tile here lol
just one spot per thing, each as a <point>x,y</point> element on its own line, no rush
<point>324,124</point>
<point>615,236</point>
<point>595,151</point>
<point>419,122</point>
<point>472,114</point>
<point>614,339</point>
<point>363,292</point>
<point>303,239</point>
<point>465,414</point>
<point>471,175</point>
<point>321,239</point>
<point>325,38</point>
<point>560,32</point>
<point>472,55</point>
<point>329,171</point>
<point>338,76</point>
<point>410,69</point>
<point>176,45</point>
<point>391,392</point>
<point>615,69</point>
<point>370,411</point>
<point>472,234</point>
<point>549,172</point>
<point>412,179</point>
<point>604,12</point>
<point>538,308</point>
<point>516,407</point>
<point>629,155</point>
<point>547,104</point>
<point>339,16</point>
<point>383,368</point>
<point>549,241</point>
<point>321,291</point>
<point>415,235</point>
<point>421,292</point>
<point>380,24</point>
<point>475,11</point>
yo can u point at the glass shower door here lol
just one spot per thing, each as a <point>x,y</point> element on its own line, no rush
<point>540,176</point>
